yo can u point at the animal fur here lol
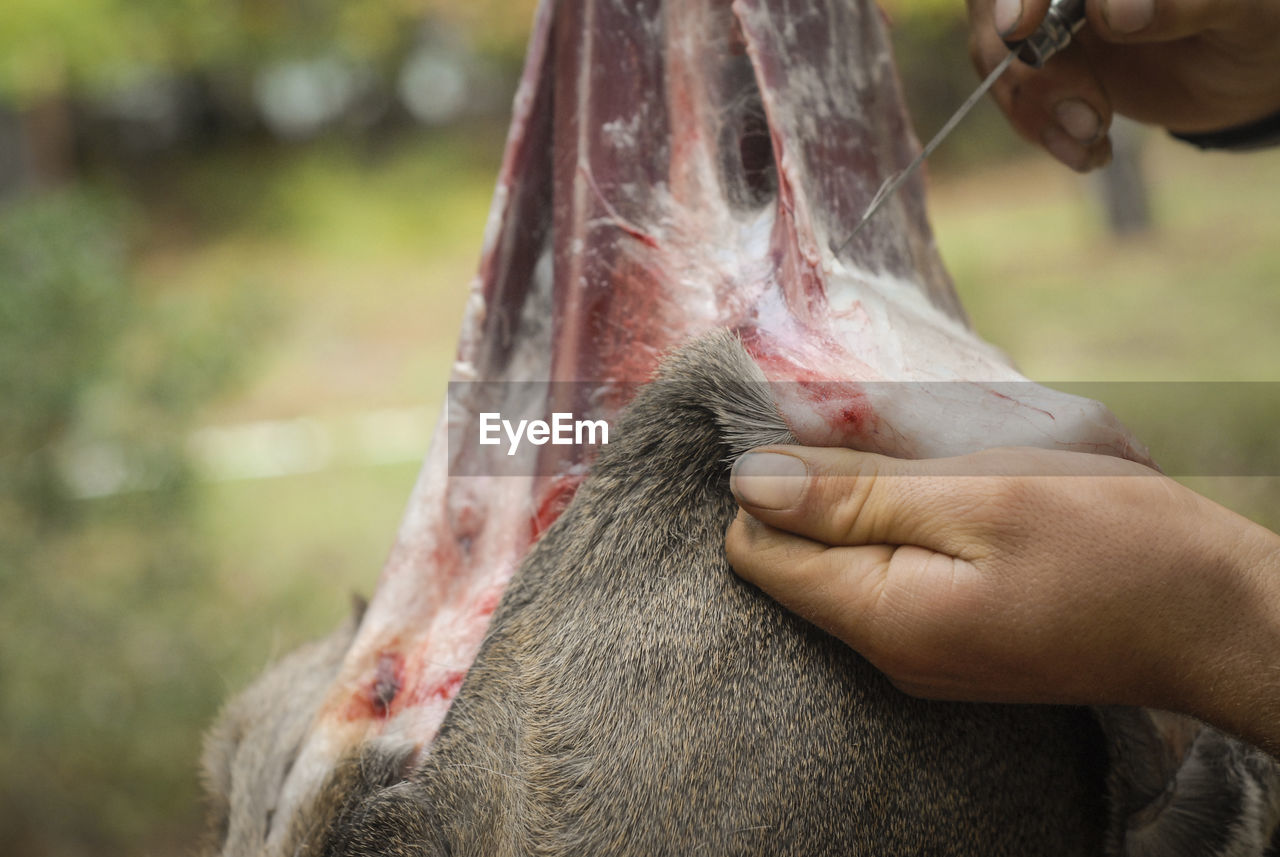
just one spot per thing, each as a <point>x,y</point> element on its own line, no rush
<point>634,697</point>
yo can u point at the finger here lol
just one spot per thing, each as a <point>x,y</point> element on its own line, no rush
<point>1160,20</point>
<point>838,496</point>
<point>1062,107</point>
<point>1017,19</point>
<point>837,589</point>
<point>899,606</point>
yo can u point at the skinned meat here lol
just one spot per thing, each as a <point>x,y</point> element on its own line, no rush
<point>673,168</point>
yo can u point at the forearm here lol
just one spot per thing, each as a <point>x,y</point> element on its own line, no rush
<point>1234,682</point>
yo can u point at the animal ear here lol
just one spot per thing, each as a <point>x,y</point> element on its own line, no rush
<point>1178,787</point>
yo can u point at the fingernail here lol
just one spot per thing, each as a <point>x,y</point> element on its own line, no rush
<point>1064,148</point>
<point>769,480</point>
<point>1007,14</point>
<point>1078,119</point>
<point>1128,16</point>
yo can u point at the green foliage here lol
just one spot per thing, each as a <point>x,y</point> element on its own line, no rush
<point>100,600</point>
<point>51,47</point>
<point>62,266</point>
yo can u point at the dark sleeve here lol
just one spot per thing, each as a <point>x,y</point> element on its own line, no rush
<point>1258,134</point>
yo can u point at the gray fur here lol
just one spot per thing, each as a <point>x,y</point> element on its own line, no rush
<point>249,751</point>
<point>634,697</point>
<point>1178,788</point>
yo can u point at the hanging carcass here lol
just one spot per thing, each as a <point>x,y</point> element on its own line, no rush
<point>557,659</point>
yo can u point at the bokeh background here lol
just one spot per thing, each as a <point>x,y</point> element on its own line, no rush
<point>235,240</point>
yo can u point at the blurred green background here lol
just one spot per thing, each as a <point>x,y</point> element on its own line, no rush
<point>234,245</point>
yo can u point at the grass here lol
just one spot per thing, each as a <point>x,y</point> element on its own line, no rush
<point>291,551</point>
<point>1196,299</point>
<point>370,257</point>
<point>366,260</point>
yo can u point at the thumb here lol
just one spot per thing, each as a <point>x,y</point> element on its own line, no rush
<point>840,497</point>
<point>1018,19</point>
<point>868,596</point>
<point>861,545</point>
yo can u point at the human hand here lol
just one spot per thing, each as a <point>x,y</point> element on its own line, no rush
<point>1187,65</point>
<point>1022,575</point>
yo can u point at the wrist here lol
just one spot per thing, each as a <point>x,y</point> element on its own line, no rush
<point>1234,680</point>
<point>1258,134</point>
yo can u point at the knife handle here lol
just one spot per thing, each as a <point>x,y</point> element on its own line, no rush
<point>1061,22</point>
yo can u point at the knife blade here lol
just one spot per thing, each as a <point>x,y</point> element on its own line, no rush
<point>1061,22</point>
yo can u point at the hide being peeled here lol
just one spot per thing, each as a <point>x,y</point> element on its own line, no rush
<point>563,663</point>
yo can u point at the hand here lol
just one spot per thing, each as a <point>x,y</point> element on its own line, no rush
<point>1022,575</point>
<point>1187,65</point>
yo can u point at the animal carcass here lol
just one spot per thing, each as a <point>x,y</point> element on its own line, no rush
<point>557,659</point>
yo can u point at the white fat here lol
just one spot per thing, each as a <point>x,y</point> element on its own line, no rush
<point>621,133</point>
<point>916,340</point>
<point>313,765</point>
<point>419,513</point>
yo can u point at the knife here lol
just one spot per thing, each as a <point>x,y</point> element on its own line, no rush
<point>1061,22</point>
